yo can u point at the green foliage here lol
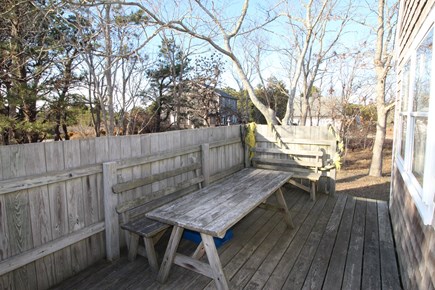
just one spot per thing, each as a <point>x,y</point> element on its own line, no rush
<point>167,79</point>
<point>273,95</point>
<point>37,61</point>
<point>366,112</point>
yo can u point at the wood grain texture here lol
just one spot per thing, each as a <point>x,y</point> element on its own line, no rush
<point>75,202</point>
<point>40,216</point>
<point>170,253</point>
<point>111,217</point>
<point>58,209</point>
<point>132,184</point>
<point>48,248</point>
<point>91,200</point>
<point>336,268</point>
<point>389,270</point>
<point>354,259</point>
<point>371,276</point>
<point>214,209</point>
<point>215,263</point>
<point>276,259</point>
<point>305,249</point>
<point>252,260</point>
<point>19,216</point>
<point>6,280</point>
<point>62,187</point>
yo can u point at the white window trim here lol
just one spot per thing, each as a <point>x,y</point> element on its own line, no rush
<point>423,196</point>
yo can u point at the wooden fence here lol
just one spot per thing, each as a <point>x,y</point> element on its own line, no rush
<point>51,197</point>
<point>52,201</point>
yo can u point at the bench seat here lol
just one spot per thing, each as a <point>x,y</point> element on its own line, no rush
<point>151,231</point>
<point>145,227</point>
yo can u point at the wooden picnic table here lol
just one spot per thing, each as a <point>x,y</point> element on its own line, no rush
<point>212,211</point>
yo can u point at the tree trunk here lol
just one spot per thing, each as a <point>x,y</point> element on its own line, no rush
<point>305,108</point>
<point>57,136</point>
<point>378,146</point>
<point>382,66</point>
<point>108,71</point>
<point>268,113</point>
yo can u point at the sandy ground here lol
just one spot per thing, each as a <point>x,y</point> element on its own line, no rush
<point>353,178</point>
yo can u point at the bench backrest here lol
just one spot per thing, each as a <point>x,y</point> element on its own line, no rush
<point>288,159</point>
<point>137,207</point>
<point>176,174</point>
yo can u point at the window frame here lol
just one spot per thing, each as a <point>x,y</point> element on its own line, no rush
<point>422,194</point>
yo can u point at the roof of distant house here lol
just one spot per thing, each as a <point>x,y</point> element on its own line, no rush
<point>224,94</point>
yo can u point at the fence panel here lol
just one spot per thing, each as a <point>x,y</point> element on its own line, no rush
<point>51,197</point>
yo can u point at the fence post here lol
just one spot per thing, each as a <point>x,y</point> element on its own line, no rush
<point>110,214</point>
<point>205,162</point>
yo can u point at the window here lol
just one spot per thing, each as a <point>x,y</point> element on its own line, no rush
<point>404,108</point>
<point>415,145</point>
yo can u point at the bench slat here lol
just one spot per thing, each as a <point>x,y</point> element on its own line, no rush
<point>288,151</point>
<point>129,205</point>
<point>129,185</point>
<point>297,172</point>
<point>281,161</point>
<point>289,141</point>
<point>145,227</point>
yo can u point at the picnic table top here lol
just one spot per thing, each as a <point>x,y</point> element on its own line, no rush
<point>216,208</point>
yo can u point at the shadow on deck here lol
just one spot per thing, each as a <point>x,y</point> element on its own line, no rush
<point>338,242</point>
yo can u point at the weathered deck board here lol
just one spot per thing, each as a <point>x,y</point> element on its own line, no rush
<point>337,242</point>
<point>353,270</point>
<point>371,278</point>
<point>334,276</point>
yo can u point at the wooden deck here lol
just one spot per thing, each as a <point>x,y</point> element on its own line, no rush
<point>338,242</point>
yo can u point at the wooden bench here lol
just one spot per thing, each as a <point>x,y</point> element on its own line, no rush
<point>133,212</point>
<point>304,164</point>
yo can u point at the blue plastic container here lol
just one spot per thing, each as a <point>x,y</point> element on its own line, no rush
<point>196,237</point>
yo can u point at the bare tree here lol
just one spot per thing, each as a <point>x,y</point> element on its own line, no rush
<point>207,22</point>
<point>114,53</point>
<point>312,43</point>
<point>386,23</point>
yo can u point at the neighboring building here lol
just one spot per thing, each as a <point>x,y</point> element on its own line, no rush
<point>413,172</point>
<point>219,110</point>
<point>227,113</point>
<point>327,114</point>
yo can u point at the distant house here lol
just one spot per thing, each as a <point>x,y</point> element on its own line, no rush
<point>328,114</point>
<point>227,114</point>
<point>219,110</point>
<point>413,173</point>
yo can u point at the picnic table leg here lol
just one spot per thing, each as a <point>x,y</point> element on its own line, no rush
<point>171,250</point>
<point>199,252</point>
<point>215,262</point>
<point>281,202</point>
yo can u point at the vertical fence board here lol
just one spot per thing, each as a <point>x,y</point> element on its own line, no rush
<point>164,164</point>
<point>6,281</point>
<point>136,151</point>
<point>40,214</point>
<point>110,202</point>
<point>58,209</point>
<point>154,146</point>
<point>145,143</point>
<point>101,155</point>
<point>91,202</point>
<point>18,217</point>
<point>75,202</point>
<point>126,173</point>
